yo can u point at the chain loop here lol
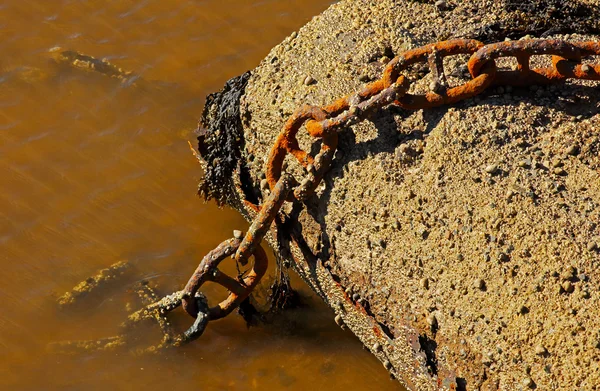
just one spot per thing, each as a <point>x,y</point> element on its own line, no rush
<point>208,271</point>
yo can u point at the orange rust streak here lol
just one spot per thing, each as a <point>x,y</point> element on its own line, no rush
<point>377,332</point>
<point>372,89</point>
<point>251,206</point>
<point>337,107</point>
<point>523,62</point>
<point>287,142</point>
<point>195,153</point>
<point>445,48</point>
<point>453,95</point>
<point>233,301</point>
<point>589,48</point>
<point>524,48</point>
<point>572,70</point>
<point>315,129</point>
<point>276,158</point>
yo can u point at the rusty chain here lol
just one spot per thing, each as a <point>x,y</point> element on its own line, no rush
<point>324,123</point>
<point>392,88</point>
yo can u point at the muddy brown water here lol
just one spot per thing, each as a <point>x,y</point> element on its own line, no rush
<point>93,171</point>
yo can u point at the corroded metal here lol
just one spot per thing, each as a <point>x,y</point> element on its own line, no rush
<point>262,222</point>
<point>324,124</point>
<point>434,55</point>
<point>208,271</point>
<point>392,88</point>
<point>566,61</point>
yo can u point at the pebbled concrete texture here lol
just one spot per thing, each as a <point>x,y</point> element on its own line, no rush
<point>460,244</point>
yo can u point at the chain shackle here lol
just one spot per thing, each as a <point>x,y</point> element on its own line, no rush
<point>241,247</point>
<point>208,271</point>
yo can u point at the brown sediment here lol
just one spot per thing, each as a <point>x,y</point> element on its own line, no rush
<point>460,244</point>
<point>92,284</point>
<point>96,345</point>
<point>155,308</point>
<point>89,63</point>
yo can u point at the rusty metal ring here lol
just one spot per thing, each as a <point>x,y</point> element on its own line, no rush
<point>522,50</point>
<point>434,54</point>
<point>566,59</point>
<point>202,318</point>
<point>288,143</point>
<point>208,270</point>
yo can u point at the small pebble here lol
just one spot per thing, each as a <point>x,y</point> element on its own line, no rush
<point>441,4</point>
<point>432,321</point>
<point>525,163</point>
<point>585,68</point>
<point>559,171</point>
<point>309,81</point>
<point>540,350</point>
<point>573,150</point>
<point>377,347</point>
<point>238,234</point>
<point>567,286</point>
<point>568,273</point>
<point>387,365</point>
<point>527,382</point>
<point>592,246</point>
<point>339,321</point>
<point>264,184</point>
<point>556,162</point>
<point>355,297</point>
<point>384,60</point>
<point>492,169</point>
<point>425,283</point>
<point>480,284</point>
<point>408,25</point>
